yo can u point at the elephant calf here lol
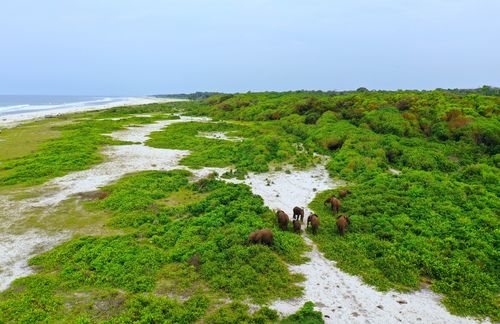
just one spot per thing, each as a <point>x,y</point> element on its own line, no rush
<point>296,226</point>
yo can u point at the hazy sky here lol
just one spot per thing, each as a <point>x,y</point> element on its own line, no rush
<point>125,47</point>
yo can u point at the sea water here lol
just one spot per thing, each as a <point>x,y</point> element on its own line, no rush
<point>14,104</point>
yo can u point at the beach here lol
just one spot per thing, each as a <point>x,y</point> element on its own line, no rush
<point>14,119</point>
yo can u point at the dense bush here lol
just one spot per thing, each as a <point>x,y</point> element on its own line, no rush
<point>438,220</point>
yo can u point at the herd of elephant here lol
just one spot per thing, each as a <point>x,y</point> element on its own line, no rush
<point>265,235</point>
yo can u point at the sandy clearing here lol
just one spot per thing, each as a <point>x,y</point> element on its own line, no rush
<point>120,160</point>
<point>220,136</point>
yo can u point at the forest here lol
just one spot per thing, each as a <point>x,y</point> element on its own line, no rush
<point>422,168</point>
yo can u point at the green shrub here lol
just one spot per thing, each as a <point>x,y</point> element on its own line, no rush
<point>306,314</point>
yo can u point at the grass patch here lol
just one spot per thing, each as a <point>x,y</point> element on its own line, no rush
<point>27,138</point>
<point>262,145</point>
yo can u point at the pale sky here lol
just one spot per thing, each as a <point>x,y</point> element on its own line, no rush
<point>125,47</point>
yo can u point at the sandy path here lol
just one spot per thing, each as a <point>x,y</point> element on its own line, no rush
<point>121,160</point>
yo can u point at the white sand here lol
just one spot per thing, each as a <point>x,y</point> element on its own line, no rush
<point>220,135</point>
<point>394,171</point>
<point>15,250</point>
<point>13,120</point>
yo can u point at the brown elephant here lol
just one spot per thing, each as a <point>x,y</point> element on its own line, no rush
<point>342,222</point>
<point>296,226</point>
<point>282,219</point>
<point>309,219</point>
<point>314,220</point>
<point>262,236</point>
<point>334,203</point>
<point>344,193</point>
<point>298,213</point>
<point>195,261</point>
<point>328,200</point>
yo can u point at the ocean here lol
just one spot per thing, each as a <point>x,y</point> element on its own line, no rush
<point>13,104</point>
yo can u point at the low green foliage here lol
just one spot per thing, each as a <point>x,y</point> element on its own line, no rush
<point>239,313</point>
<point>158,309</point>
<point>30,300</point>
<point>306,314</point>
<point>215,228</point>
<point>115,262</point>
<point>262,144</point>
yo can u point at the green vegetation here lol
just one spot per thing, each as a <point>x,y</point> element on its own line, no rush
<point>262,145</point>
<point>134,275</point>
<point>438,221</point>
<point>77,148</point>
<point>22,140</point>
<point>306,314</point>
<point>238,313</point>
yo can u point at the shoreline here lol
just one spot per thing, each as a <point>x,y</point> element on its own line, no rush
<point>13,120</point>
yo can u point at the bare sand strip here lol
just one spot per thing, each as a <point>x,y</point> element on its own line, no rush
<point>16,249</point>
<point>341,297</point>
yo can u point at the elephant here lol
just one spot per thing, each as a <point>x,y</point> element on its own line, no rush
<point>282,219</point>
<point>344,193</point>
<point>262,236</point>
<point>342,222</point>
<point>296,226</point>
<point>298,213</point>
<point>314,220</point>
<point>195,262</point>
<point>309,219</point>
<point>335,204</point>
